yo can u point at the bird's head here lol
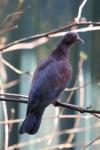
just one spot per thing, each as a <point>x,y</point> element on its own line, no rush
<point>71,38</point>
<point>62,48</point>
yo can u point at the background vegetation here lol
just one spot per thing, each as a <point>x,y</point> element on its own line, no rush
<point>61,128</point>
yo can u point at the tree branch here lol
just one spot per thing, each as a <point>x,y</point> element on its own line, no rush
<point>76,108</point>
<point>80,10</point>
<point>90,143</point>
<point>14,100</point>
<point>42,38</point>
<point>57,104</point>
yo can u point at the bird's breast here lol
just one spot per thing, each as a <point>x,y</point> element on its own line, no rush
<point>65,72</point>
<point>59,74</point>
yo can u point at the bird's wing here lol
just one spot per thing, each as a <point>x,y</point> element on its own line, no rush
<point>37,83</point>
<point>48,82</point>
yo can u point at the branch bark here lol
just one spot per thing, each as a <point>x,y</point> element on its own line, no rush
<point>45,36</point>
<point>57,104</point>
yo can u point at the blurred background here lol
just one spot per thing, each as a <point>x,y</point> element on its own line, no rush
<point>40,16</point>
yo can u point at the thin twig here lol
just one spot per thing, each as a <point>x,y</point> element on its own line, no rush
<point>6,125</point>
<point>11,118</point>
<point>12,121</point>
<point>80,10</point>
<point>46,137</point>
<point>90,143</point>
<point>14,100</point>
<point>8,30</point>
<point>81,94</point>
<point>3,73</point>
<point>85,29</point>
<point>8,23</point>
<point>79,87</point>
<point>76,88</point>
<point>12,95</point>
<point>9,84</point>
<point>18,71</point>
<point>11,17</point>
<point>66,146</point>
<point>76,108</point>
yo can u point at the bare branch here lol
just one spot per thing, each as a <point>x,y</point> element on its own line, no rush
<point>27,43</point>
<point>10,18</point>
<point>14,100</point>
<point>8,30</point>
<point>86,29</point>
<point>11,66</point>
<point>9,84</point>
<point>46,137</point>
<point>14,95</point>
<point>57,104</point>
<point>76,88</point>
<point>90,143</point>
<point>81,93</point>
<point>76,108</point>
<point>67,146</point>
<point>11,118</point>
<point>6,125</point>
<point>20,45</point>
<point>3,73</point>
<point>12,121</point>
<point>80,10</point>
<point>8,23</point>
<point>18,71</point>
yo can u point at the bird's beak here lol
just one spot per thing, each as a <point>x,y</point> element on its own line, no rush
<point>80,40</point>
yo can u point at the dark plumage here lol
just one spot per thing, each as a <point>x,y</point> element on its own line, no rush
<point>48,82</point>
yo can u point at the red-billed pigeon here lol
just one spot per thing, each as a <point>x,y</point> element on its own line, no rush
<point>48,82</point>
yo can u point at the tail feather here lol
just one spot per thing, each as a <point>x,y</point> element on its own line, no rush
<point>32,122</point>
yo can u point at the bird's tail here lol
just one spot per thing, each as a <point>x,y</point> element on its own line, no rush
<point>32,122</point>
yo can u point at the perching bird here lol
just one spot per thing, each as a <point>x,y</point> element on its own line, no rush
<point>48,82</point>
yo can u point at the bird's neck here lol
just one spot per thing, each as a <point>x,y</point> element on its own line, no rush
<point>61,52</point>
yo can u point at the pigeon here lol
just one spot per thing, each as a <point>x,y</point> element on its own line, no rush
<point>49,80</point>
